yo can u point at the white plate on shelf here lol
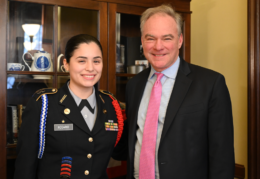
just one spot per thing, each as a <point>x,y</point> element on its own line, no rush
<point>43,77</point>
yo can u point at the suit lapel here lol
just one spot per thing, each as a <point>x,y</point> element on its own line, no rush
<point>140,85</point>
<point>179,92</point>
<point>74,115</point>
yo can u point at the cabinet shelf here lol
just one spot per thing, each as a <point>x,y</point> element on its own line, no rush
<point>11,151</point>
<point>125,74</point>
<point>29,73</point>
<point>36,73</point>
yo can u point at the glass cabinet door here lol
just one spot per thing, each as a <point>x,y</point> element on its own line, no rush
<point>72,21</point>
<point>29,64</point>
<point>37,35</point>
<point>127,59</point>
<point>30,37</point>
<point>129,54</point>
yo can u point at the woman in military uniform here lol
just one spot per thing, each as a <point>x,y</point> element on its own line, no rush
<point>70,132</point>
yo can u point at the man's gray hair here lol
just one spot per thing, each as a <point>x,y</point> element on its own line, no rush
<point>165,9</point>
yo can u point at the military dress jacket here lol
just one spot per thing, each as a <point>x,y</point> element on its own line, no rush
<point>90,150</point>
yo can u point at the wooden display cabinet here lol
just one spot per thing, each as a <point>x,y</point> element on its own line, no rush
<point>58,20</point>
<point>61,19</point>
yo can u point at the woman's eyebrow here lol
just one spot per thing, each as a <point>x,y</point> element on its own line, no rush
<point>97,57</point>
<point>82,57</point>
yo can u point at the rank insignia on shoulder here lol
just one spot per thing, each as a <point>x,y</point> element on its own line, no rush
<point>37,95</point>
<point>108,93</point>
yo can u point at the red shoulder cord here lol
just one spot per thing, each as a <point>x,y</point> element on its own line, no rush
<point>120,119</point>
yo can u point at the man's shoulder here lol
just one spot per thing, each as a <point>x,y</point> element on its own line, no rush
<point>203,72</point>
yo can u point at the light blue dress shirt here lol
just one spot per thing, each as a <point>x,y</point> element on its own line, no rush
<point>167,81</point>
<point>88,116</point>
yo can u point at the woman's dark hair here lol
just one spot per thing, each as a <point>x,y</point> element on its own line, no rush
<point>74,42</point>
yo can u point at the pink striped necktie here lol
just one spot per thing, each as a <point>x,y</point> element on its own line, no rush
<point>147,156</point>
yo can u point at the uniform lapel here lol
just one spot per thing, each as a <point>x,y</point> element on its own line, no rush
<point>74,115</point>
<point>101,116</point>
<point>179,92</point>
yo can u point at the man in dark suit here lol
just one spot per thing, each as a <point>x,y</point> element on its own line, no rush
<point>194,125</point>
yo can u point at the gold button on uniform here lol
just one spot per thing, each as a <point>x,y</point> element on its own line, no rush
<point>86,172</point>
<point>104,111</point>
<point>89,155</point>
<point>66,111</point>
<point>63,121</point>
<point>90,139</point>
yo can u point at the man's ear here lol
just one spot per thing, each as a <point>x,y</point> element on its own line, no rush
<point>180,41</point>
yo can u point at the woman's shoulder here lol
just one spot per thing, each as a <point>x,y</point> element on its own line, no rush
<point>106,95</point>
<point>43,92</point>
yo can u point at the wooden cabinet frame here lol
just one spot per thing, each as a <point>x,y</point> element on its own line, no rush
<point>102,33</point>
<point>253,89</point>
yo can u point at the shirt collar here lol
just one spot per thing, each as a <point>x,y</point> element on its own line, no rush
<point>91,99</point>
<point>170,72</point>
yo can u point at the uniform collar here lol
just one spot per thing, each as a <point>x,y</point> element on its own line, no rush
<point>91,99</point>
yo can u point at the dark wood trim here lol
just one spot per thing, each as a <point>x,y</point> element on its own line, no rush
<point>239,171</point>
<point>125,74</point>
<point>30,73</point>
<point>253,89</point>
<point>112,9</point>
<point>128,9</point>
<point>181,6</point>
<point>3,57</point>
<point>55,44</point>
<point>186,34</point>
<point>103,28</point>
<point>85,4</point>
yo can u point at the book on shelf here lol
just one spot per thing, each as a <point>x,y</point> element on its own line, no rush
<point>20,108</point>
<point>9,126</point>
<point>14,122</point>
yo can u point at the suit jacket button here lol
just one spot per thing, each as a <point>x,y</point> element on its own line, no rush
<point>86,172</point>
<point>90,139</point>
<point>89,155</point>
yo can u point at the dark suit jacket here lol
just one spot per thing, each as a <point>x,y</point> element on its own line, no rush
<point>58,144</point>
<point>197,136</point>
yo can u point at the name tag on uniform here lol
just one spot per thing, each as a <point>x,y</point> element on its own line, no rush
<point>111,126</point>
<point>63,127</point>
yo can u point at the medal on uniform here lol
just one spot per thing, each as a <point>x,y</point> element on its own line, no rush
<point>111,126</point>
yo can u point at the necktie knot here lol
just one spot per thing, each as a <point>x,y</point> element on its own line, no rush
<point>84,103</point>
<point>159,77</point>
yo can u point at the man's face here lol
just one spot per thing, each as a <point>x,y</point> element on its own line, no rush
<point>160,41</point>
